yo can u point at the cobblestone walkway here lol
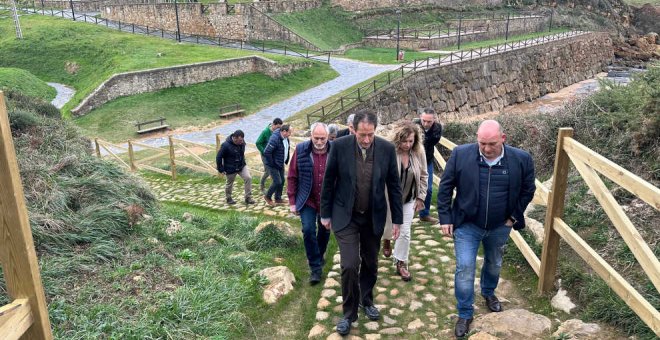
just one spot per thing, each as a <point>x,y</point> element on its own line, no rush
<point>423,308</point>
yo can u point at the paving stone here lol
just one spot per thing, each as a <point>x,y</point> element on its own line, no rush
<point>416,266</point>
<point>415,325</point>
<point>339,299</point>
<point>328,293</point>
<point>380,298</point>
<point>395,312</point>
<point>394,292</point>
<point>372,336</point>
<point>429,297</point>
<point>333,274</point>
<point>445,259</point>
<point>320,315</point>
<point>331,283</point>
<point>388,320</point>
<point>415,305</point>
<point>432,243</point>
<point>418,288</point>
<point>391,331</point>
<point>316,331</point>
<point>372,326</point>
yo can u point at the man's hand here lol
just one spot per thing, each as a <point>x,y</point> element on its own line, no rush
<point>293,209</point>
<point>327,223</point>
<point>419,205</point>
<point>447,229</point>
<point>509,223</point>
<point>395,231</point>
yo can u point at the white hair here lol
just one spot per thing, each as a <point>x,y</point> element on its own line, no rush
<point>315,125</point>
<point>349,120</point>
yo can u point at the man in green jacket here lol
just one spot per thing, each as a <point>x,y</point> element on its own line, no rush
<point>262,141</point>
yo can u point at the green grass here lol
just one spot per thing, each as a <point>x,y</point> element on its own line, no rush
<point>379,55</point>
<point>327,28</point>
<point>26,83</point>
<point>485,43</point>
<point>197,105</point>
<point>640,3</point>
<point>84,55</point>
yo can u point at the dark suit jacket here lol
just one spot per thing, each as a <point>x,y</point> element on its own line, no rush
<point>338,194</point>
<point>343,132</point>
<point>462,173</point>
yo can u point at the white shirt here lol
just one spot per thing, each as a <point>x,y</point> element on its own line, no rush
<point>286,148</point>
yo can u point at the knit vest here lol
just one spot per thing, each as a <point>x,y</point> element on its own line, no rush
<point>493,195</point>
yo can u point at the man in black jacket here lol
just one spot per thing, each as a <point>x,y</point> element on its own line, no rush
<point>494,184</point>
<point>361,169</point>
<point>432,134</point>
<point>276,155</point>
<point>347,131</point>
<point>230,161</point>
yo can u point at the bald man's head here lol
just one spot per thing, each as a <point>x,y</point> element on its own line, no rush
<point>490,139</point>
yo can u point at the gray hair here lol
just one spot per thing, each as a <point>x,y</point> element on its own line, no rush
<point>315,125</point>
<point>349,120</point>
<point>333,129</point>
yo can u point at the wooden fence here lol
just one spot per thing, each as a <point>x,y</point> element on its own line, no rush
<point>27,315</point>
<point>589,164</point>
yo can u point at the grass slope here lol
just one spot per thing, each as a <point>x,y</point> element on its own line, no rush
<point>197,105</point>
<point>84,55</point>
<point>327,28</point>
<point>26,83</point>
<point>379,55</point>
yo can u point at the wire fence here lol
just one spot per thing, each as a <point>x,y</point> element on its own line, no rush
<point>339,107</point>
<point>261,46</point>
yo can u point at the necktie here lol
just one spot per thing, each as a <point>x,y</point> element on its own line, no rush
<point>364,154</point>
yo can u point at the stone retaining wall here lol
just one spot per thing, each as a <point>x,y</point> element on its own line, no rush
<point>131,83</point>
<point>490,83</point>
<point>477,30</point>
<point>361,5</point>
<point>248,21</point>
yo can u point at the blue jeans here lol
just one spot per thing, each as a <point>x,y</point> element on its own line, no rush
<point>315,237</point>
<point>278,182</point>
<point>429,192</point>
<point>467,238</point>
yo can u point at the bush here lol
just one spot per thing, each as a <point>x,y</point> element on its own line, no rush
<point>21,121</point>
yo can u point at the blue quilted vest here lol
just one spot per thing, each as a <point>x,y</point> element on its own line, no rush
<point>305,165</point>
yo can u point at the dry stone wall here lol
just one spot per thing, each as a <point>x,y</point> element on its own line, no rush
<point>490,83</point>
<point>247,21</point>
<point>361,5</point>
<point>131,83</point>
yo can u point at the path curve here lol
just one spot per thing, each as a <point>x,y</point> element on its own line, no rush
<point>64,94</point>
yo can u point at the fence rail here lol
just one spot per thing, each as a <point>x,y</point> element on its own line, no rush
<point>589,164</point>
<point>339,107</point>
<point>270,47</point>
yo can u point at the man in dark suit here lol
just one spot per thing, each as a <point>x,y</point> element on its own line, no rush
<point>360,169</point>
<point>347,131</point>
<point>494,184</point>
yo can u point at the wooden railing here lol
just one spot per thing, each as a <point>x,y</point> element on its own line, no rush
<point>589,164</point>
<point>27,315</point>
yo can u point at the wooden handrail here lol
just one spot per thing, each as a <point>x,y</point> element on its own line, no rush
<point>15,319</point>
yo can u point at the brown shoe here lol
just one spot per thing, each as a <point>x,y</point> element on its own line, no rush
<point>280,201</point>
<point>429,219</point>
<point>402,270</point>
<point>269,201</point>
<point>387,248</point>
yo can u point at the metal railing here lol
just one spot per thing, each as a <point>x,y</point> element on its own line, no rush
<point>341,105</point>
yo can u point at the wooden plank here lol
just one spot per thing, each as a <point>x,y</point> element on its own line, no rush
<point>19,259</point>
<point>180,141</point>
<point>619,285</point>
<point>155,128</point>
<point>154,169</point>
<point>231,113</point>
<point>621,222</point>
<point>108,144</point>
<point>555,208</point>
<point>151,158</point>
<point>172,161</point>
<point>527,251</point>
<point>15,319</point>
<point>142,145</point>
<point>131,156</point>
<point>447,143</point>
<point>197,158</point>
<point>633,183</point>
<point>197,167</point>
<point>541,194</point>
<point>112,154</point>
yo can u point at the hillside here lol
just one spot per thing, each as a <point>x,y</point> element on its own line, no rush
<point>25,82</point>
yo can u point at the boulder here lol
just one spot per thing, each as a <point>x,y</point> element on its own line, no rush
<point>280,283</point>
<point>576,329</point>
<point>513,324</point>
<point>173,228</point>
<point>283,227</point>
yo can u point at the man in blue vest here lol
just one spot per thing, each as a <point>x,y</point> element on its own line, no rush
<point>304,184</point>
<point>276,155</point>
<point>494,184</point>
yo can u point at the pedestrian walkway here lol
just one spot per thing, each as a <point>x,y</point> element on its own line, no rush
<point>64,94</point>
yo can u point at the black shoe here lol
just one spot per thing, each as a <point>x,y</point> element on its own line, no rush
<point>249,200</point>
<point>343,326</point>
<point>462,327</point>
<point>493,303</point>
<point>231,201</point>
<point>372,312</point>
<point>315,277</point>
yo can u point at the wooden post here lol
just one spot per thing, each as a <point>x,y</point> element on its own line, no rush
<point>555,208</point>
<point>131,156</point>
<point>97,147</point>
<point>172,163</point>
<point>218,142</point>
<point>17,254</point>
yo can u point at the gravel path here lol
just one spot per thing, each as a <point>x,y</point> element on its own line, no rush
<point>64,94</point>
<point>350,73</point>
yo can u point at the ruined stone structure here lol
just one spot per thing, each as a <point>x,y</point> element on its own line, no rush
<point>131,83</point>
<point>361,5</point>
<point>490,83</point>
<point>245,21</point>
<point>471,30</point>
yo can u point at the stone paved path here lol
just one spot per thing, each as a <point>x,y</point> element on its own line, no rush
<point>64,94</point>
<point>423,308</point>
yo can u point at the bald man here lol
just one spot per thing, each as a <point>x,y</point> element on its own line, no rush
<point>494,184</point>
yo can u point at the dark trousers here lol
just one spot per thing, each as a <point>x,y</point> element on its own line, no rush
<point>358,247</point>
<point>315,237</point>
<point>278,183</point>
